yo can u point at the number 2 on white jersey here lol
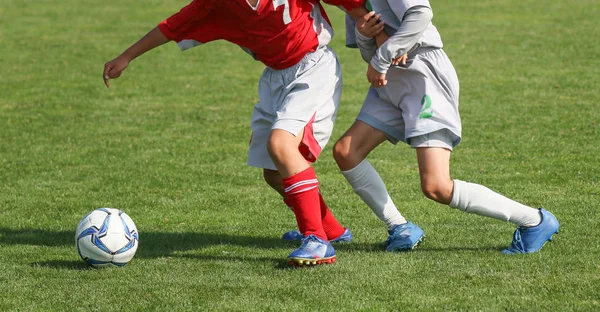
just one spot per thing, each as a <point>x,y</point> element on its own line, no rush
<point>286,10</point>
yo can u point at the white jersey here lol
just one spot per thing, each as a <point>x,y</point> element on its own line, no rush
<point>408,22</point>
<point>392,12</point>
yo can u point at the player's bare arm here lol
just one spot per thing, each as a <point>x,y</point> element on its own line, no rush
<point>114,68</point>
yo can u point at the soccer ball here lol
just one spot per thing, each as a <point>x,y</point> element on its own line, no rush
<point>106,237</point>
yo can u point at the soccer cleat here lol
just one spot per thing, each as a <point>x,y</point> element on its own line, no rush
<point>346,237</point>
<point>404,237</point>
<point>313,251</point>
<point>532,239</point>
<point>295,235</point>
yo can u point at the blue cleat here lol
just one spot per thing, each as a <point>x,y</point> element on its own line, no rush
<point>532,239</point>
<point>346,237</point>
<point>295,235</point>
<point>313,251</point>
<point>404,237</point>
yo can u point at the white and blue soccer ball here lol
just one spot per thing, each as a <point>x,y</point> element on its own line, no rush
<point>106,237</point>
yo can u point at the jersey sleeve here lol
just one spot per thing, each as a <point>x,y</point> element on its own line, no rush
<point>346,4</point>
<point>192,23</point>
<point>413,25</point>
<point>399,7</point>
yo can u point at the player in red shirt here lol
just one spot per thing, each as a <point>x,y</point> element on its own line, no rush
<point>299,95</point>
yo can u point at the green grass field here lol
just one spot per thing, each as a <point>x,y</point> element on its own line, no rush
<point>167,144</point>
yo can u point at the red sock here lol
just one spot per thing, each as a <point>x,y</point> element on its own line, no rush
<point>332,227</point>
<point>302,189</point>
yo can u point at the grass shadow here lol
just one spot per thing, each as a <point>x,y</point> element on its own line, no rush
<point>152,244</point>
<point>62,264</point>
<point>164,244</point>
<point>461,248</point>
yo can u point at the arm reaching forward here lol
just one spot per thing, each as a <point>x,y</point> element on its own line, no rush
<point>114,68</point>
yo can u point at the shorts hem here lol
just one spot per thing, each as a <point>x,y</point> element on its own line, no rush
<point>456,138</point>
<point>393,135</point>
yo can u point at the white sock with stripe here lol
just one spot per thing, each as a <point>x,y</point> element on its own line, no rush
<point>367,183</point>
<point>478,199</point>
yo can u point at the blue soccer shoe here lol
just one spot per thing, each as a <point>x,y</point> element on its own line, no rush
<point>404,237</point>
<point>313,251</point>
<point>295,235</point>
<point>532,239</point>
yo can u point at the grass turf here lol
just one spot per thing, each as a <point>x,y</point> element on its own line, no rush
<point>167,144</point>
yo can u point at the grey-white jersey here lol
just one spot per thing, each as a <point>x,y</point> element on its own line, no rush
<point>408,22</point>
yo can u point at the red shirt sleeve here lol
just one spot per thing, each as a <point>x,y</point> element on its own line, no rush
<point>346,4</point>
<point>184,23</point>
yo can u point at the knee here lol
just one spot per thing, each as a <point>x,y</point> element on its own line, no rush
<point>342,150</point>
<point>439,190</point>
<point>275,148</point>
<point>278,145</point>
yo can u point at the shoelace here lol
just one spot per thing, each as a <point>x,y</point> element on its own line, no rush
<point>517,243</point>
<point>308,241</point>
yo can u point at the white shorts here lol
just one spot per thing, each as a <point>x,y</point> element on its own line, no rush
<point>304,96</point>
<point>418,100</point>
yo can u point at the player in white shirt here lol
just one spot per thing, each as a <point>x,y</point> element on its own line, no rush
<point>414,99</point>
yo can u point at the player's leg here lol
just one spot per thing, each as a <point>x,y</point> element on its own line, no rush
<point>305,111</point>
<point>273,179</point>
<point>350,153</point>
<point>535,226</point>
<point>434,128</point>
<point>300,190</point>
<point>355,144</point>
<point>330,224</point>
<point>378,121</point>
<point>434,171</point>
<point>300,182</point>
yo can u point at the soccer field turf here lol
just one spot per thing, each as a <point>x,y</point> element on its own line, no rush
<point>167,144</point>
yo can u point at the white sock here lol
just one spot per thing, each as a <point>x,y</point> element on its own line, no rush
<point>478,199</point>
<point>367,183</point>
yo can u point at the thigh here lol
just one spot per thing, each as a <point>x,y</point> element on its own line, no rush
<point>310,101</point>
<point>361,139</point>
<point>302,100</point>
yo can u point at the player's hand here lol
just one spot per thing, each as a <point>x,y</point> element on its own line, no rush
<point>370,25</point>
<point>113,69</point>
<point>376,78</point>
<point>400,60</point>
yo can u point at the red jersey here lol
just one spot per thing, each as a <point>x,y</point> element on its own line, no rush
<point>276,32</point>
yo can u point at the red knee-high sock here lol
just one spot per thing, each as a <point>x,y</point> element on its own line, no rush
<point>302,189</point>
<point>332,227</point>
